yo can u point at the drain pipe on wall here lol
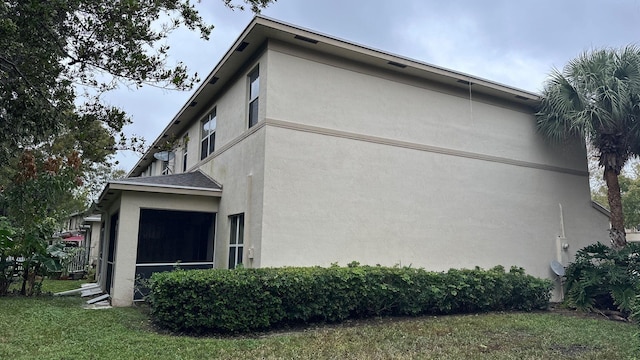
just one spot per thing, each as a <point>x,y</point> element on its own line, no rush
<point>247,226</point>
<point>561,240</point>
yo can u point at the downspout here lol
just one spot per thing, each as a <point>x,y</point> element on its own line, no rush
<point>561,240</point>
<point>247,227</point>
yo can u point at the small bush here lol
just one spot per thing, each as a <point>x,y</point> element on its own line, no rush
<point>199,301</point>
<point>604,278</point>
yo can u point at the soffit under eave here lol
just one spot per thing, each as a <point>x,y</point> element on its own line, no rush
<point>107,197</point>
<point>325,43</point>
<point>164,189</point>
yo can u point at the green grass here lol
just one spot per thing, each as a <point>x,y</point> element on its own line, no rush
<point>52,286</point>
<point>59,328</point>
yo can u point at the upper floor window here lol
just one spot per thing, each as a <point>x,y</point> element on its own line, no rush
<point>185,141</point>
<point>254,91</point>
<point>208,141</point>
<point>166,169</point>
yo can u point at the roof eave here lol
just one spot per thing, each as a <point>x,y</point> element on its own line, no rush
<point>259,29</point>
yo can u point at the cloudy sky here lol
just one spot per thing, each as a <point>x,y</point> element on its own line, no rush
<point>516,43</point>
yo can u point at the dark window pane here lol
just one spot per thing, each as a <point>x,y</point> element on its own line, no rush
<point>241,229</point>
<point>234,230</point>
<point>212,143</point>
<point>203,149</point>
<point>239,255</point>
<point>168,236</point>
<point>253,113</point>
<point>113,233</point>
<point>232,258</point>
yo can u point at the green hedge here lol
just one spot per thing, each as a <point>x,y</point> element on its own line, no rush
<point>199,301</point>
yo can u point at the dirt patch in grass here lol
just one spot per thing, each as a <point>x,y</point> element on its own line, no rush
<point>558,308</point>
<point>572,350</point>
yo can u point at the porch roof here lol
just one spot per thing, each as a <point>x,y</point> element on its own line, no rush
<point>191,180</point>
<point>191,183</point>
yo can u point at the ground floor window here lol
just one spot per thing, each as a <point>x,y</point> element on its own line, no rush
<point>236,240</point>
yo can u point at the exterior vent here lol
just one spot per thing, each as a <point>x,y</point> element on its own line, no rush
<point>522,98</point>
<point>311,41</point>
<point>214,80</point>
<point>193,103</point>
<point>465,82</point>
<point>397,64</point>
<point>242,46</point>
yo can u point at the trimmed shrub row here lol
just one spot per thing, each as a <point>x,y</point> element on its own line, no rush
<point>199,301</point>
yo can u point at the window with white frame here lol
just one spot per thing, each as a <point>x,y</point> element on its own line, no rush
<point>208,141</point>
<point>166,170</point>
<point>236,240</point>
<point>254,91</point>
<point>185,140</point>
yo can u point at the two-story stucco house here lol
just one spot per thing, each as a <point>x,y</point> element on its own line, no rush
<point>302,149</point>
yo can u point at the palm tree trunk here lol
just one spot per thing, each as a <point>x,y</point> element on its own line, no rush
<point>616,233</point>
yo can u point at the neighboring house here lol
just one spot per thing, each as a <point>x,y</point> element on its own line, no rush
<point>92,228</point>
<point>83,232</point>
<point>304,149</point>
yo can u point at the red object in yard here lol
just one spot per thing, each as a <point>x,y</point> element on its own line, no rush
<point>77,238</point>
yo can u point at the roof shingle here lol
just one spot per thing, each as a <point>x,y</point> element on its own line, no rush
<point>196,179</point>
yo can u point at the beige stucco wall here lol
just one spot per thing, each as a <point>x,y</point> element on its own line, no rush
<point>241,171</point>
<point>238,164</point>
<point>380,169</point>
<point>127,243</point>
<point>352,163</point>
<point>380,204</point>
<point>316,90</point>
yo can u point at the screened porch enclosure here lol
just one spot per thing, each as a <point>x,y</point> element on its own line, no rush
<point>168,239</point>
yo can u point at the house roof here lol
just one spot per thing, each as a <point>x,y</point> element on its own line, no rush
<point>261,29</point>
<point>190,180</point>
<point>191,183</point>
<point>596,205</point>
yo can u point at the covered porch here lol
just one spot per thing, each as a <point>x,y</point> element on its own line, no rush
<point>154,224</point>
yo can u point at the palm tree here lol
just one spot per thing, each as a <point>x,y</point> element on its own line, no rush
<point>597,97</point>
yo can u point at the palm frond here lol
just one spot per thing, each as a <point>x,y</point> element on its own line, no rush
<point>597,92</point>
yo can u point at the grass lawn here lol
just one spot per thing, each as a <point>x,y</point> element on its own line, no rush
<point>58,328</point>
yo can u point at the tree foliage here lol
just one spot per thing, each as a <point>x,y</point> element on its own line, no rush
<point>597,97</point>
<point>604,278</point>
<point>630,193</point>
<point>57,59</point>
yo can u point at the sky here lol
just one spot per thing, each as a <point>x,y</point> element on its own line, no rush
<point>516,43</point>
